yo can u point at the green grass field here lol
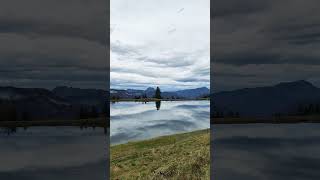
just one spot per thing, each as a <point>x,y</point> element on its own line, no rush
<point>181,156</point>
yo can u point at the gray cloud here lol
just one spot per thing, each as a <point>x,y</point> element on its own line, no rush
<point>49,43</point>
<point>234,7</point>
<point>280,38</point>
<point>168,48</point>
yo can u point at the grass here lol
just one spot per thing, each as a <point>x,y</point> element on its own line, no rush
<point>181,156</point>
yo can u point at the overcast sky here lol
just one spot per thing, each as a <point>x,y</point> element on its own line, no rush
<point>160,43</point>
<point>52,43</point>
<point>258,43</point>
<point>166,43</point>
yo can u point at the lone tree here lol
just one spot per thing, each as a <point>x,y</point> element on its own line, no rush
<point>158,93</point>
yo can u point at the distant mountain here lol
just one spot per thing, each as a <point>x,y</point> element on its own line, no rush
<point>266,101</point>
<point>193,93</point>
<point>150,92</point>
<point>82,96</point>
<point>13,93</point>
<point>41,104</point>
<point>38,103</point>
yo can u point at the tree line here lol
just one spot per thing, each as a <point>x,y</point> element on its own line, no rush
<point>9,111</point>
<point>228,114</point>
<point>156,95</point>
<point>308,109</point>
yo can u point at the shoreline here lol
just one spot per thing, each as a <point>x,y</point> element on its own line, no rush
<point>155,100</point>
<point>93,122</point>
<point>163,136</point>
<point>263,120</point>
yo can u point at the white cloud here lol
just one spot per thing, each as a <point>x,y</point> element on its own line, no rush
<point>158,43</point>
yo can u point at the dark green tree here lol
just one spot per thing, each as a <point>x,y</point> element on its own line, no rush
<point>83,114</point>
<point>158,105</point>
<point>26,116</point>
<point>144,96</point>
<point>158,93</point>
<point>94,112</point>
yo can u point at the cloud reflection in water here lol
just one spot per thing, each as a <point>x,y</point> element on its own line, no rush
<point>132,121</point>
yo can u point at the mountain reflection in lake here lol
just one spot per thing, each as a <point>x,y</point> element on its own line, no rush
<point>131,121</point>
<point>266,151</point>
<point>53,153</point>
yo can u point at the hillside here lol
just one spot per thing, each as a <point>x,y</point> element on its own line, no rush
<point>282,98</point>
<point>26,104</point>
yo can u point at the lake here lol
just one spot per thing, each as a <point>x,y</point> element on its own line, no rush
<point>132,121</point>
<point>266,151</point>
<point>53,153</point>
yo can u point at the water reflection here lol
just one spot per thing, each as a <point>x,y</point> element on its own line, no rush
<point>158,104</point>
<point>7,130</point>
<point>53,153</point>
<point>266,151</point>
<point>132,121</point>
<point>12,130</point>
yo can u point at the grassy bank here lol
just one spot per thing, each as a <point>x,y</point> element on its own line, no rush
<point>180,156</point>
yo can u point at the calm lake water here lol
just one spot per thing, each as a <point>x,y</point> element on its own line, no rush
<point>277,152</point>
<point>131,121</point>
<point>53,153</point>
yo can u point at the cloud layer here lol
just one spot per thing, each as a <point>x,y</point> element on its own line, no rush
<point>266,42</point>
<point>50,43</point>
<point>160,43</point>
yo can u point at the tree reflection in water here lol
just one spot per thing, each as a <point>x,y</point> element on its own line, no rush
<point>158,104</point>
<point>8,130</point>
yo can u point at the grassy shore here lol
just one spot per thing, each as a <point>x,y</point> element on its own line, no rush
<point>180,156</point>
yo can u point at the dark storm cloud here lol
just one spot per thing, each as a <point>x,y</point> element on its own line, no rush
<point>82,18</point>
<point>235,7</point>
<point>297,34</point>
<point>55,74</point>
<point>268,35</point>
<point>50,43</point>
<point>244,58</point>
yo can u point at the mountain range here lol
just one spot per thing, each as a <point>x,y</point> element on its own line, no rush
<point>59,103</point>
<point>150,92</point>
<point>67,102</point>
<point>70,103</point>
<point>283,98</point>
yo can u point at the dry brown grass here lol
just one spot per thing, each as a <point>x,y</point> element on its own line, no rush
<point>182,156</point>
